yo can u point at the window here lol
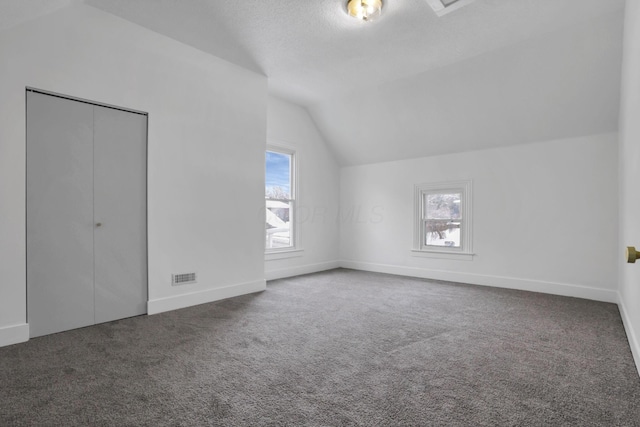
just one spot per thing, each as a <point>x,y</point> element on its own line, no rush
<point>443,218</point>
<point>279,199</point>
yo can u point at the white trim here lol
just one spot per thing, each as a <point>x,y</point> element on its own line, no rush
<point>632,337</point>
<point>554,288</point>
<point>460,256</point>
<point>283,254</point>
<point>14,334</point>
<point>281,273</point>
<point>465,187</point>
<point>201,297</point>
<point>278,147</point>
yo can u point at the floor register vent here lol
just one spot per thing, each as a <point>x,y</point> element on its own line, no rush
<point>183,279</point>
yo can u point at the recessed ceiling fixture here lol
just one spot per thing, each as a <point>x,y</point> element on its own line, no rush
<point>365,10</point>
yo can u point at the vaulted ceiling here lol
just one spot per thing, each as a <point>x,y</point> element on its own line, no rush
<point>495,72</point>
<point>15,12</point>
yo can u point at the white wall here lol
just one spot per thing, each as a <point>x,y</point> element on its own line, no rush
<point>318,191</point>
<point>544,216</point>
<point>207,132</point>
<point>629,173</point>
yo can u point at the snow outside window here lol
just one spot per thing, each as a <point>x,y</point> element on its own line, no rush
<point>443,218</point>
<point>279,199</point>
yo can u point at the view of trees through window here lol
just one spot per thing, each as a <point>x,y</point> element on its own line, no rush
<point>279,203</point>
<point>442,217</point>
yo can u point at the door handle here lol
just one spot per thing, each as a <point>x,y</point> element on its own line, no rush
<point>631,254</point>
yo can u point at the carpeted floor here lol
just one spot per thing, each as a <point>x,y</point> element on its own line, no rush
<point>338,348</point>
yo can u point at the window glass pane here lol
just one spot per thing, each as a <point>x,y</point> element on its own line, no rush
<point>443,206</point>
<point>278,175</point>
<point>278,224</point>
<point>443,219</point>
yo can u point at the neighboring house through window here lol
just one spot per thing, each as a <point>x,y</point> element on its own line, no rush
<point>280,198</point>
<point>443,218</point>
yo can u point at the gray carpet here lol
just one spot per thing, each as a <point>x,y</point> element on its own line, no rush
<point>338,348</point>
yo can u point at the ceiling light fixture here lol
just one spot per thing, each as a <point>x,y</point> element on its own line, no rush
<point>365,10</point>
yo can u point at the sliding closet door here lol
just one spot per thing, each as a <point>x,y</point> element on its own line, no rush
<point>120,197</point>
<point>59,214</point>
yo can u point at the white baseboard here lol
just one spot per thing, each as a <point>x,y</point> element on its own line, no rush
<point>14,334</point>
<point>303,269</point>
<point>563,289</point>
<point>201,297</point>
<point>632,337</point>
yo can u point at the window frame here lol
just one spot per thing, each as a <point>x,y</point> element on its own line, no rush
<point>294,249</point>
<point>465,251</point>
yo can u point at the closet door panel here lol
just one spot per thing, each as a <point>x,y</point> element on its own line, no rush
<point>60,270</point>
<point>120,142</point>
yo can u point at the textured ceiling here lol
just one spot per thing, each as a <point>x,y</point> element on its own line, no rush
<point>411,84</point>
<point>15,12</point>
<point>312,50</point>
<point>560,85</point>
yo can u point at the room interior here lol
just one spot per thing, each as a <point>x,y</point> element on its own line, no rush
<point>534,102</point>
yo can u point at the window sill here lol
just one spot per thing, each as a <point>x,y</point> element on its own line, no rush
<point>283,254</point>
<point>459,256</point>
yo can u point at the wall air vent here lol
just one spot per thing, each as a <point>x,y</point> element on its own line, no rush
<point>442,7</point>
<point>183,279</point>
